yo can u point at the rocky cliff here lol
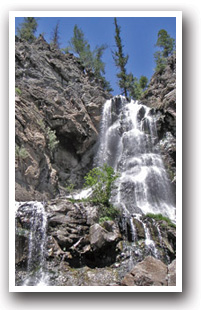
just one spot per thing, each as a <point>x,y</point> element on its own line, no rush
<point>161,96</point>
<point>58,109</point>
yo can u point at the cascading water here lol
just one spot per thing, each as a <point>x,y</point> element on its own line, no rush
<point>34,215</point>
<point>128,143</point>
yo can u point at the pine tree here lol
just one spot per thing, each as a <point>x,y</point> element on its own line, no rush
<point>99,67</point>
<point>80,46</point>
<point>167,46</point>
<point>91,60</point>
<point>55,37</point>
<point>27,29</point>
<point>143,81</point>
<point>120,61</point>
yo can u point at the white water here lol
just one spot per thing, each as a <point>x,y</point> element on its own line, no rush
<point>128,144</point>
<point>34,214</point>
<point>83,194</point>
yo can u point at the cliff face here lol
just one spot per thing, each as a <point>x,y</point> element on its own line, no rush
<point>58,109</point>
<point>161,96</point>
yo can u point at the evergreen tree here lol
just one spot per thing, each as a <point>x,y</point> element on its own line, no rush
<point>27,29</point>
<point>55,37</point>
<point>99,67</point>
<point>91,60</point>
<point>80,46</point>
<point>120,61</point>
<point>167,46</point>
<point>143,81</point>
<point>136,87</point>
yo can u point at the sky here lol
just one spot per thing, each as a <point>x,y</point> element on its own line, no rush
<point>138,34</point>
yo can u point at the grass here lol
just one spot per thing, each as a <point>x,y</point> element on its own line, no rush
<point>160,217</point>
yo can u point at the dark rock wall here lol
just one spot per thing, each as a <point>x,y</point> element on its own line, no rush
<point>53,93</point>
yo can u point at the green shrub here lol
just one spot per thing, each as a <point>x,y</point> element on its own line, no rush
<point>20,152</point>
<point>101,179</point>
<point>108,213</point>
<point>52,139</point>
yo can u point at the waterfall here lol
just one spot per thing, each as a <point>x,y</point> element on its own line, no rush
<point>34,216</point>
<point>128,143</point>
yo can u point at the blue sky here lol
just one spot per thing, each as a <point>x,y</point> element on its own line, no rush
<point>139,35</point>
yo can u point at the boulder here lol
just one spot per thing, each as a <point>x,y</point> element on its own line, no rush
<point>149,272</point>
<point>101,238</point>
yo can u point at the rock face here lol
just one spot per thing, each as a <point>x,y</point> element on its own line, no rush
<point>161,96</point>
<point>58,109</point>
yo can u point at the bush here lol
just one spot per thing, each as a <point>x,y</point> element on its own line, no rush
<point>20,152</point>
<point>52,139</point>
<point>108,213</point>
<point>101,179</point>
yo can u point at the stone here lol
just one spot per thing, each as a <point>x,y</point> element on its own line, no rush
<point>149,272</point>
<point>172,273</point>
<point>97,236</point>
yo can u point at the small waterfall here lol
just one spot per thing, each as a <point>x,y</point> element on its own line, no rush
<point>128,143</point>
<point>34,215</point>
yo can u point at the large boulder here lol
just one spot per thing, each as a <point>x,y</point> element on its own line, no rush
<point>151,272</point>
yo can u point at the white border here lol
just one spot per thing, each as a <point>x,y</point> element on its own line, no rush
<point>12,15</point>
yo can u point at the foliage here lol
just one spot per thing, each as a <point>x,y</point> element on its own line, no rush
<point>52,139</point>
<point>120,60</point>
<point>18,91</point>
<point>101,180</point>
<point>70,187</point>
<point>167,47</point>
<point>91,60</point>
<point>20,152</point>
<point>55,37</point>
<point>165,42</point>
<point>129,84</point>
<point>143,82</point>
<point>160,217</point>
<point>135,86</point>
<point>27,29</point>
<point>41,123</point>
<point>108,213</point>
